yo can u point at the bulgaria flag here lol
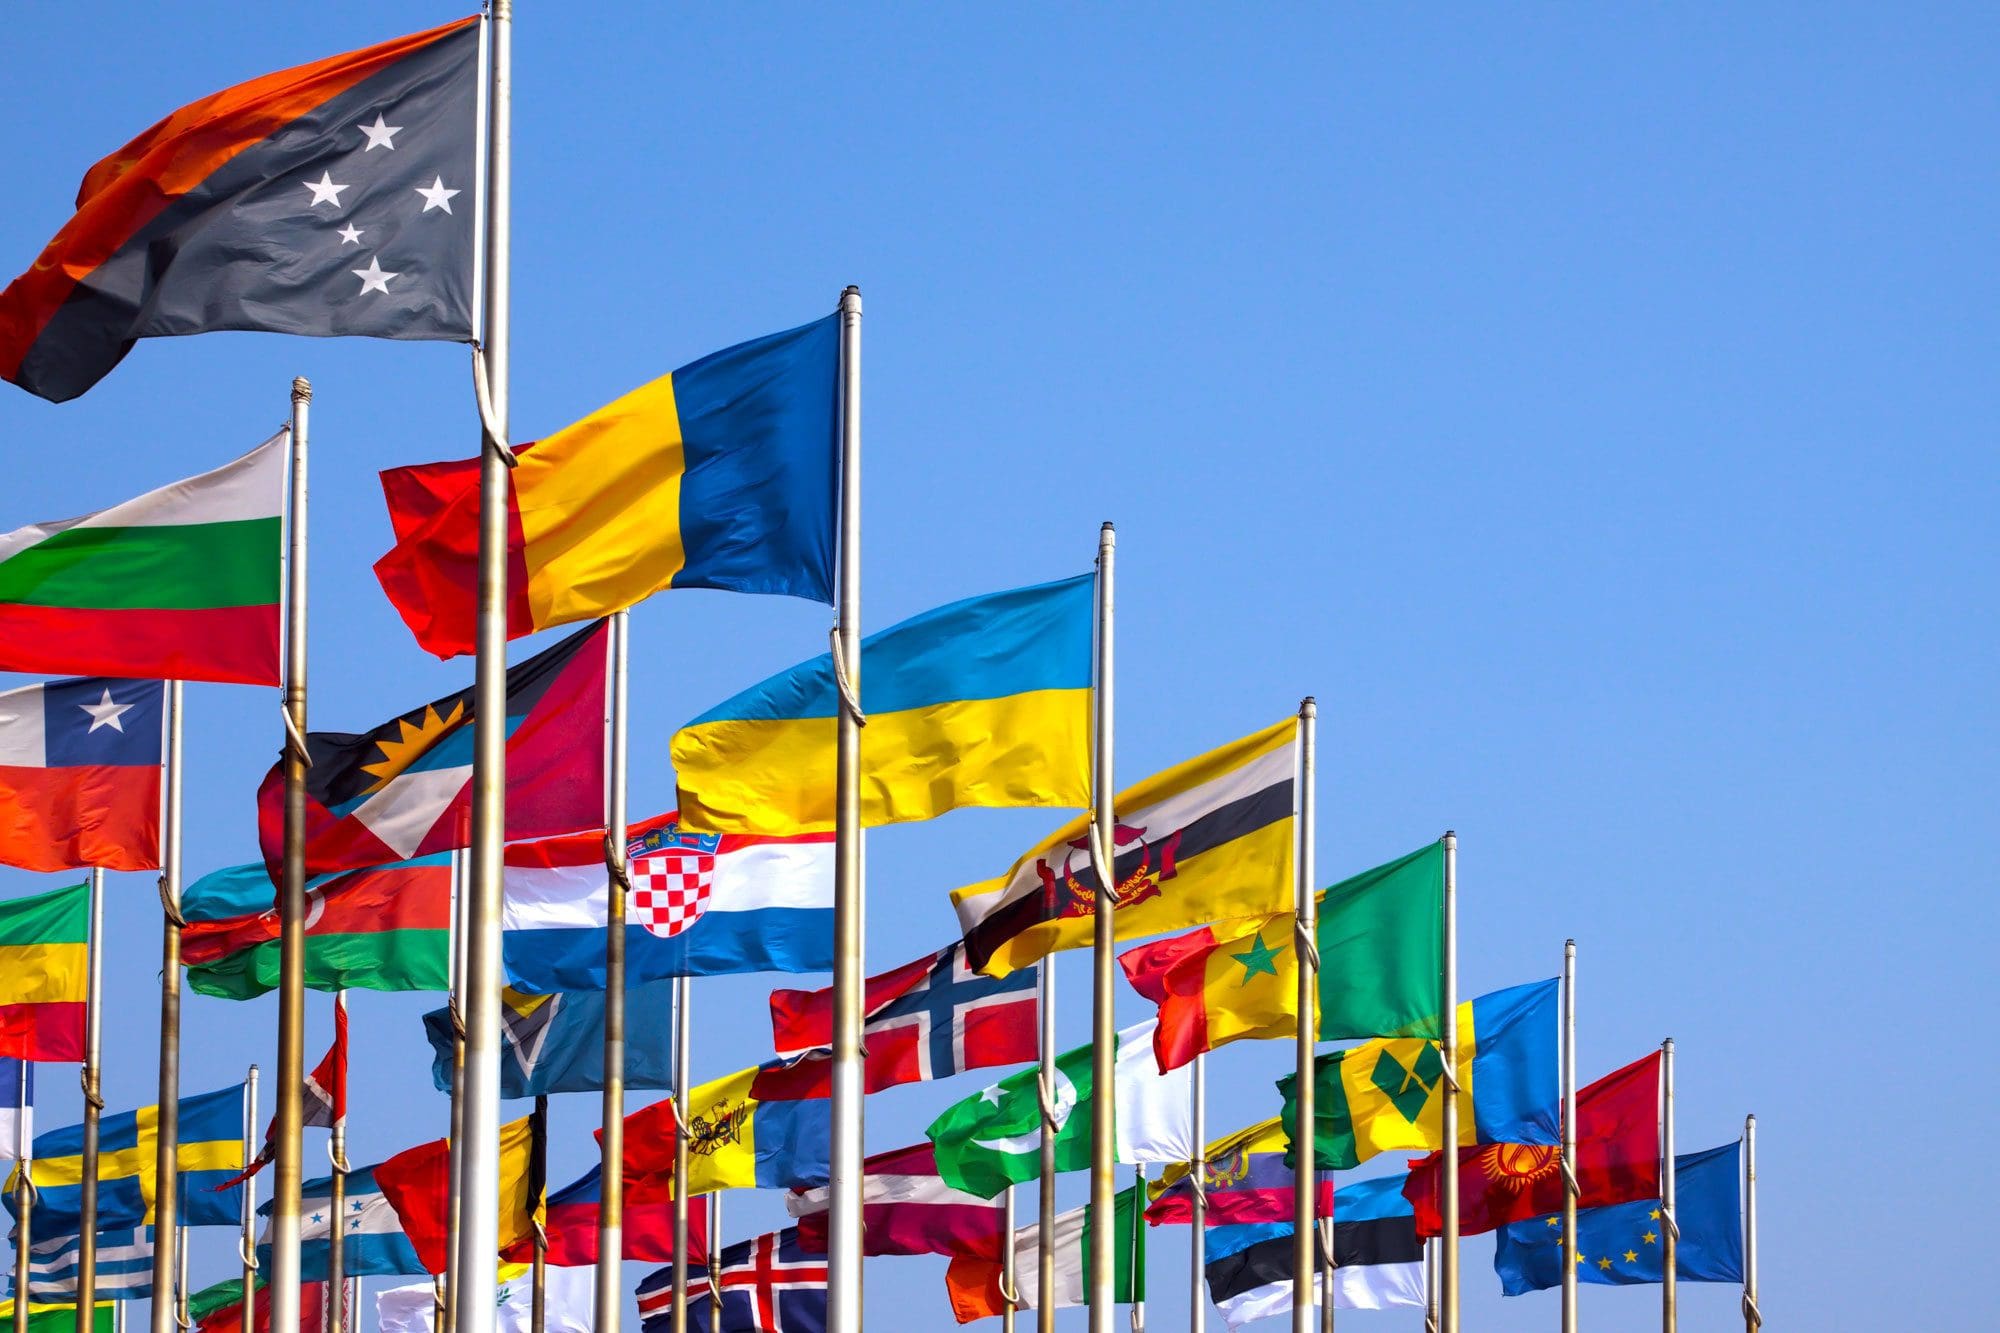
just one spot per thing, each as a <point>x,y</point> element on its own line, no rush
<point>179,584</point>
<point>974,1284</point>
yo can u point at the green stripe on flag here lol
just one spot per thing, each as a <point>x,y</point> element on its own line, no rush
<point>185,567</point>
<point>60,916</point>
<point>1128,1283</point>
<point>1381,950</point>
<point>385,960</point>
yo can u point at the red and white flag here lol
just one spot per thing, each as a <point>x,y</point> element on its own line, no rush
<point>906,1208</point>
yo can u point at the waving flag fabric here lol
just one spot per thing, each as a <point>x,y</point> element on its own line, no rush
<point>555,1043</point>
<point>1231,981</point>
<point>385,928</point>
<point>769,1285</point>
<point>1389,1094</point>
<point>266,206</point>
<point>59,1318</point>
<point>906,1208</point>
<point>44,974</point>
<point>974,1284</point>
<point>573,1213</point>
<point>569,1293</point>
<point>219,1308</point>
<point>17,1107</point>
<point>1246,1180</point>
<point>405,788</point>
<point>985,702</point>
<point>1620,1245</point>
<point>1207,840</point>
<point>1617,1159</point>
<point>211,1152</point>
<point>179,584</point>
<point>719,475</point>
<point>372,1239</point>
<point>323,1099</point>
<point>735,1140</point>
<point>1378,1260</point>
<point>701,905</point>
<point>124,1266</point>
<point>417,1184</point>
<point>925,1020</point>
<point>80,774</point>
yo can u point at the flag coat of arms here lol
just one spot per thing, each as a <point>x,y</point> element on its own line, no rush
<point>372,1239</point>
<point>569,1294</point>
<point>701,905</point>
<point>405,788</point>
<point>735,1139</point>
<point>1245,1179</point>
<point>906,1208</point>
<point>211,1155</point>
<point>1378,1260</point>
<point>555,1043</point>
<point>80,774</point>
<point>926,1020</point>
<point>44,974</point>
<point>1205,841</point>
<point>331,198</point>
<point>769,1285</point>
<point>1389,1093</point>
<point>719,475</point>
<point>179,584</point>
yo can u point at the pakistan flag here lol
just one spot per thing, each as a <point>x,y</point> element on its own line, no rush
<point>988,1142</point>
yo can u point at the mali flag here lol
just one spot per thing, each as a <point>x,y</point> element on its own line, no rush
<point>417,1184</point>
<point>266,206</point>
<point>1388,1094</point>
<point>735,1141</point>
<point>985,702</point>
<point>44,974</point>
<point>211,1154</point>
<point>722,475</point>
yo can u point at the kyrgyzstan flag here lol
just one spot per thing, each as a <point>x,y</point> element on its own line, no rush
<point>80,774</point>
<point>331,198</point>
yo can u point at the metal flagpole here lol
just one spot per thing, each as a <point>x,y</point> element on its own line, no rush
<point>291,1071</point>
<point>1010,1288</point>
<point>611,1181</point>
<point>682,1085</point>
<point>456,1156</point>
<point>336,1236</point>
<point>1198,1198</point>
<point>843,1259</point>
<point>1448,1021</point>
<point>1045,1222</point>
<point>1328,1261</point>
<point>1305,1176</point>
<point>1753,1318</point>
<point>1103,997</point>
<point>1430,1286</point>
<point>166,1160</point>
<point>24,1198</point>
<point>180,1278</point>
<point>538,1176</point>
<point>246,1240</point>
<point>93,1108</point>
<point>474,1291</point>
<point>714,1258</point>
<point>1670,1224</point>
<point>1570,1185</point>
<point>1138,1247</point>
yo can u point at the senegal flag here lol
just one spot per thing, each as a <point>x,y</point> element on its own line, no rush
<point>1388,1094</point>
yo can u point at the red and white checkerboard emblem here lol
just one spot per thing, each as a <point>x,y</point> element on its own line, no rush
<point>672,877</point>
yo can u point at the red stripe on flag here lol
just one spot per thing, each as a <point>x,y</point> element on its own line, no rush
<point>48,1031</point>
<point>65,818</point>
<point>234,645</point>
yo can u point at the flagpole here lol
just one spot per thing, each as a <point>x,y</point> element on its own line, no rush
<point>713,1262</point>
<point>180,1278</point>
<point>1305,1175</point>
<point>336,1203</point>
<point>843,1257</point>
<point>1138,1246</point>
<point>455,1153</point>
<point>611,1181</point>
<point>166,1160</point>
<point>1198,1199</point>
<point>1430,1285</point>
<point>291,1070</point>
<point>1448,1021</point>
<point>24,1198</point>
<point>93,1108</point>
<point>682,1085</point>
<point>1570,1184</point>
<point>474,1292</point>
<point>1753,1318</point>
<point>1009,1286</point>
<point>1045,1222</point>
<point>1103,1000</point>
<point>538,1186</point>
<point>246,1241</point>
<point>1670,1230</point>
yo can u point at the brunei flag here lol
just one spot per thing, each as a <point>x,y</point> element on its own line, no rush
<point>404,789</point>
<point>1389,1094</point>
<point>331,198</point>
<point>719,475</point>
<point>44,975</point>
<point>1205,841</point>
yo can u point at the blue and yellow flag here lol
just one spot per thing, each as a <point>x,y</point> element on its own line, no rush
<point>982,702</point>
<point>211,1152</point>
<point>736,1141</point>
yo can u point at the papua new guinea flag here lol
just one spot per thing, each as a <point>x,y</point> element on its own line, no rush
<point>332,198</point>
<point>405,789</point>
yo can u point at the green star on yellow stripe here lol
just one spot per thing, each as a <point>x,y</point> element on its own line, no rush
<point>1259,957</point>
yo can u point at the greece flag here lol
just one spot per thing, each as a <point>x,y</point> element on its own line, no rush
<point>124,1266</point>
<point>17,1108</point>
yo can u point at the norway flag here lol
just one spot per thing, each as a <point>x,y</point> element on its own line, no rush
<point>80,774</point>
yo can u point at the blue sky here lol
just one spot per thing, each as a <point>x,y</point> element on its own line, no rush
<point>1593,409</point>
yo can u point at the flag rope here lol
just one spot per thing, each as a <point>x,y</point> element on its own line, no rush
<point>483,396</point>
<point>848,698</point>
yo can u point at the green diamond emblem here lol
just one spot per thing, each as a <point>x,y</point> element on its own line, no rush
<point>1409,1089</point>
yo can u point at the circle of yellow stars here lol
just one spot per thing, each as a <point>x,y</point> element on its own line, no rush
<point>1603,1262</point>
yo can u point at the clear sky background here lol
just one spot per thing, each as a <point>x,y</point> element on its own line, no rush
<point>1595,410</point>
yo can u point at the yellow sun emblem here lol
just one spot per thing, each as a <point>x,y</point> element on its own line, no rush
<point>413,740</point>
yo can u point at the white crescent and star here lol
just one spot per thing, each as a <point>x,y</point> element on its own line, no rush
<point>105,713</point>
<point>1065,1102</point>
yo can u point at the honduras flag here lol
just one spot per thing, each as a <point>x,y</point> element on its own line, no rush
<point>373,1244</point>
<point>700,905</point>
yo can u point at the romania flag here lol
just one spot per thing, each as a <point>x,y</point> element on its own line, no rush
<point>211,1152</point>
<point>44,974</point>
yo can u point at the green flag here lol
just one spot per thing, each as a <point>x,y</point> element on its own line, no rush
<point>58,1318</point>
<point>1381,950</point>
<point>994,1139</point>
<point>218,1296</point>
<point>1072,1250</point>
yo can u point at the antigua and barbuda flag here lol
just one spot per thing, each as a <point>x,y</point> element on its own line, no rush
<point>405,789</point>
<point>331,198</point>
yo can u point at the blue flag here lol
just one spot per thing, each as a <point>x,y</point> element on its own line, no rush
<point>1620,1245</point>
<point>211,1154</point>
<point>555,1043</point>
<point>373,1243</point>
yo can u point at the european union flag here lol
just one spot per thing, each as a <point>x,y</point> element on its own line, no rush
<point>1621,1245</point>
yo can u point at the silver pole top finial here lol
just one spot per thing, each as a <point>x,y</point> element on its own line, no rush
<point>1308,707</point>
<point>302,389</point>
<point>850,300</point>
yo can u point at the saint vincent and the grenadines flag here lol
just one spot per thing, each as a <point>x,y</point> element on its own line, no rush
<point>211,1152</point>
<point>80,774</point>
<point>267,206</point>
<point>44,974</point>
<point>405,789</point>
<point>1388,1094</point>
<point>1207,840</point>
<point>985,702</point>
<point>179,584</point>
<point>722,474</point>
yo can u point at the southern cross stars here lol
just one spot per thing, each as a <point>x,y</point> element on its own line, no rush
<point>105,713</point>
<point>435,195</point>
<point>379,134</point>
<point>350,235</point>
<point>374,278</point>
<point>324,190</point>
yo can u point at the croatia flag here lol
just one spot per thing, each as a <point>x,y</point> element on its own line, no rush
<point>80,774</point>
<point>700,905</point>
